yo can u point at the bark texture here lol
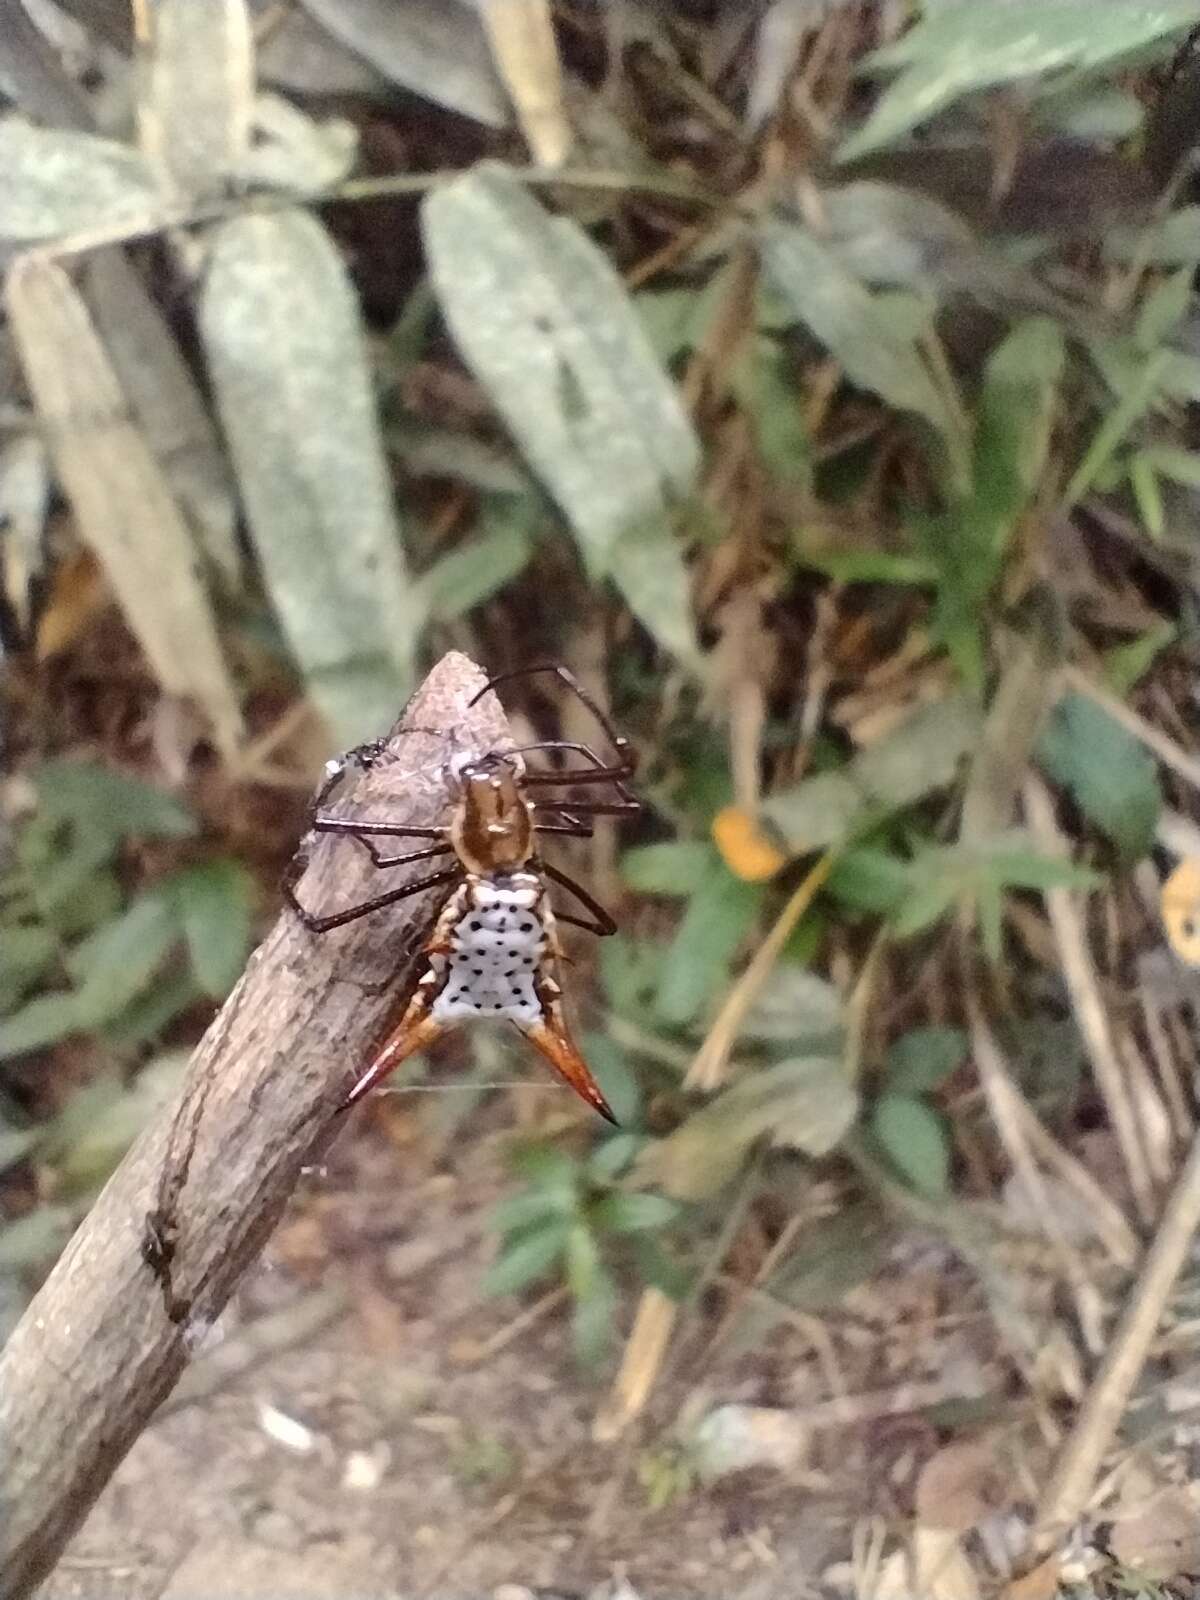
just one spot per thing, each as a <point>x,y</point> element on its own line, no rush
<point>98,1350</point>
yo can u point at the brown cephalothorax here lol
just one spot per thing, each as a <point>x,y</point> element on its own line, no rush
<point>494,950</point>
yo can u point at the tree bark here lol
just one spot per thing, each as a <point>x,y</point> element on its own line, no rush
<point>99,1346</point>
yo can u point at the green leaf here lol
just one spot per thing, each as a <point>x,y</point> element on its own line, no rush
<point>618,1082</point>
<point>594,1293</point>
<point>646,564</point>
<point>1172,242</point>
<point>798,1006</point>
<point>770,394</point>
<point>878,354</point>
<point>96,1127</point>
<point>111,805</point>
<point>545,323</point>
<point>870,566</point>
<point>965,48</point>
<point>547,1166</point>
<point>870,879</point>
<point>675,866</point>
<point>829,1261</point>
<point>1027,869</point>
<point>807,1102</point>
<point>674,319</point>
<point>612,1155</point>
<point>915,1140</point>
<point>628,1212</point>
<point>516,1211</point>
<point>658,1269</point>
<point>917,758</point>
<point>631,970</point>
<point>41,1021</point>
<point>924,1058</point>
<point>440,53</point>
<point>933,891</point>
<point>285,348</point>
<point>719,916</point>
<point>1146,380</point>
<point>1147,493</point>
<point>213,903</point>
<point>971,873</point>
<point>466,577</point>
<point>1181,466</point>
<point>59,182</point>
<point>119,960</point>
<point>527,1260</point>
<point>1126,664</point>
<point>25,953</point>
<point>147,1017</point>
<point>1113,780</point>
<point>1162,309</point>
<point>921,755</point>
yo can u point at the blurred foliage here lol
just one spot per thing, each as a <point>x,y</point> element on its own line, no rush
<point>826,464</point>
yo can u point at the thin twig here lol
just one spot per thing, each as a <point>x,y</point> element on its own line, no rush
<point>1001,1097</point>
<point>1079,974</point>
<point>1070,1485</point>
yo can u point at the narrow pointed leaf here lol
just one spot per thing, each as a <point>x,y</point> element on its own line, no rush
<point>124,506</point>
<point>214,904</point>
<point>970,47</point>
<point>166,402</point>
<point>436,48</point>
<point>878,351</point>
<point>59,182</point>
<point>285,347</point>
<point>198,98</point>
<point>546,325</point>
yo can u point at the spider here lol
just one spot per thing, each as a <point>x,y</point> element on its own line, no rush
<point>494,951</point>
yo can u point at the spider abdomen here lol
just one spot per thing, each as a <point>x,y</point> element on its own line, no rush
<point>496,930</point>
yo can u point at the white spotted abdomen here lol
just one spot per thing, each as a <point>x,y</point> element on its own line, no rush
<point>497,946</point>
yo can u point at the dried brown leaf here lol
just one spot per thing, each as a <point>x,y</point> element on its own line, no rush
<point>521,35</point>
<point>124,506</point>
<point>166,402</point>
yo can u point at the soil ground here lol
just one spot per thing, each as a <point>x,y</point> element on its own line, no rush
<point>421,1441</point>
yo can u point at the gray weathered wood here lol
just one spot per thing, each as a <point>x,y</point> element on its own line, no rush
<point>96,1352</point>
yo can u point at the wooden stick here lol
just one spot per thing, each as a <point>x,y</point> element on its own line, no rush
<point>97,1349</point>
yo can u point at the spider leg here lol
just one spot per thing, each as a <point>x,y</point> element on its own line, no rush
<point>603,924</point>
<point>427,854</point>
<point>338,919</point>
<point>590,808</point>
<point>565,676</point>
<point>599,772</point>
<point>356,827</point>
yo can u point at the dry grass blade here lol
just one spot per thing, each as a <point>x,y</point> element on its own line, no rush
<point>640,1365</point>
<point>1079,974</point>
<point>1002,1098</point>
<point>708,1068</point>
<point>167,403</point>
<point>521,35</point>
<point>197,103</point>
<point>124,506</point>
<point>1067,1493</point>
